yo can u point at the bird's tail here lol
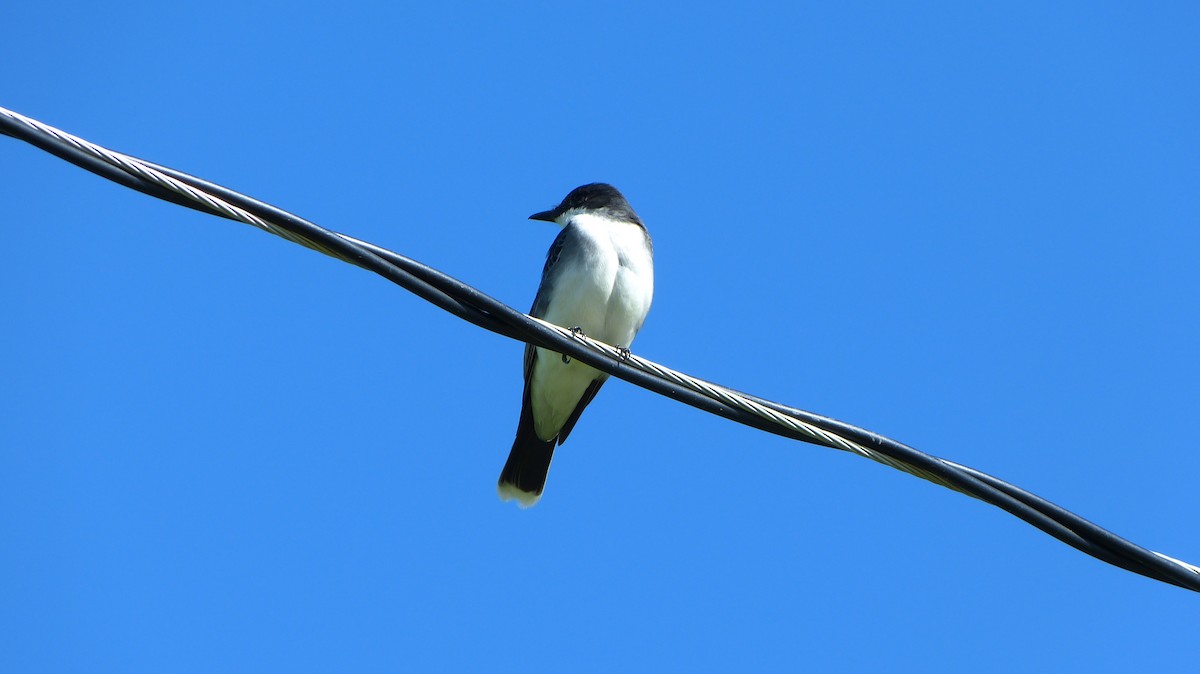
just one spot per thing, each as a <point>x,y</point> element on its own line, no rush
<point>524,474</point>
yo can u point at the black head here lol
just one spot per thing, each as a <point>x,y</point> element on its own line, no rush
<point>594,197</point>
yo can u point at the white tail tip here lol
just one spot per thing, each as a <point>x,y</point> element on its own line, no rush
<point>509,492</point>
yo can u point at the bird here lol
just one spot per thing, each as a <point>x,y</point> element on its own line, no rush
<point>598,280</point>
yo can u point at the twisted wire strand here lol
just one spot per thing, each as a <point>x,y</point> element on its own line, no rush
<point>813,434</point>
<point>138,168</point>
<point>480,309</point>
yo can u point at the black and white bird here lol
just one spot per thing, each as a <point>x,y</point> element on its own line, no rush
<point>599,278</point>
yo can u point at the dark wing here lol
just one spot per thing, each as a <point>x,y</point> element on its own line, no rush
<point>590,393</point>
<point>542,301</point>
<point>540,304</point>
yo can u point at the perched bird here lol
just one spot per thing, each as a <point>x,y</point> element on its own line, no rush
<point>599,278</point>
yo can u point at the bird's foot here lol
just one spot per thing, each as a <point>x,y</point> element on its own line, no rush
<point>578,332</point>
<point>623,352</point>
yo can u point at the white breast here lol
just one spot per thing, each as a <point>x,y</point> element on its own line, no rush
<point>607,293</point>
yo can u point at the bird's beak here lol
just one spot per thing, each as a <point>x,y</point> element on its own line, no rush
<point>545,216</point>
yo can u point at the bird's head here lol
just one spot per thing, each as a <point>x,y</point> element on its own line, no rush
<point>594,198</point>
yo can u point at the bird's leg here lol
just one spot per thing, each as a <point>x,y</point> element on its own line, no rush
<point>578,332</point>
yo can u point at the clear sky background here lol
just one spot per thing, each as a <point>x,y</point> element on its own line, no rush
<point>973,229</point>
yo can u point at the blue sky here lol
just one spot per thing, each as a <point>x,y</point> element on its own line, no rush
<point>973,229</point>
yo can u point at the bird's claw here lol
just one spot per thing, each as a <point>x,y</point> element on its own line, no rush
<point>578,332</point>
<point>623,353</point>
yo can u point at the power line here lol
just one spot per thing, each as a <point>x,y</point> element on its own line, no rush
<point>476,307</point>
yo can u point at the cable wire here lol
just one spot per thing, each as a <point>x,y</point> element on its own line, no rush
<point>480,309</point>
